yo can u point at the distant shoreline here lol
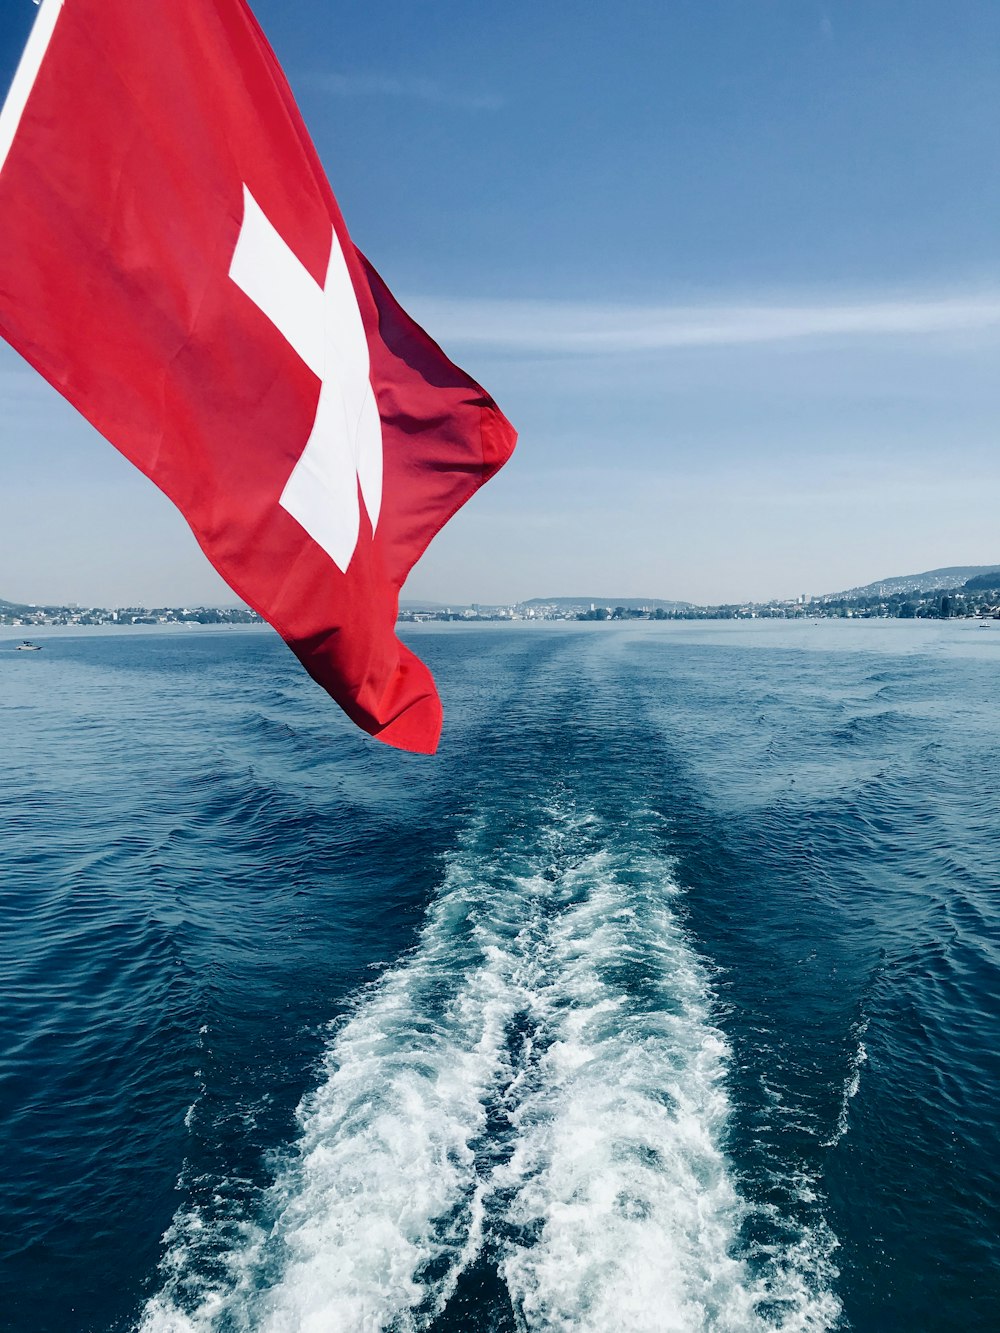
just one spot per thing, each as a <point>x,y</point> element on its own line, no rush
<point>11,635</point>
<point>929,596</point>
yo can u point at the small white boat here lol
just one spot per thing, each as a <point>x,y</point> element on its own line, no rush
<point>28,647</point>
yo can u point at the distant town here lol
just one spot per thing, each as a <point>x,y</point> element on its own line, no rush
<point>941,594</point>
<point>13,613</point>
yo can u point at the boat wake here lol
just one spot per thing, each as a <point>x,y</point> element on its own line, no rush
<point>533,1099</point>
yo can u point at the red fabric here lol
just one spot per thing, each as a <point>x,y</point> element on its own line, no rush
<point>121,202</point>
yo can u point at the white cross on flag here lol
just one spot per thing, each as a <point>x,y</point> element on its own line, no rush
<point>173,260</point>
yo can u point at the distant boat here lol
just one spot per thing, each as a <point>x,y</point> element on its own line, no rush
<point>28,647</point>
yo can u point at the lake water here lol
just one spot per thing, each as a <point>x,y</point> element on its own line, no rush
<point>664,998</point>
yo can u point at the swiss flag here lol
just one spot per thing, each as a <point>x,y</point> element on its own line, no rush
<point>173,261</point>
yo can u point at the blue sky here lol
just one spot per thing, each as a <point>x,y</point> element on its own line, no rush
<point>731,268</point>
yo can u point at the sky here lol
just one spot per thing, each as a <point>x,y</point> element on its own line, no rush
<point>731,267</point>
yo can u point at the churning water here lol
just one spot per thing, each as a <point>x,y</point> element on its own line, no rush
<point>664,999</point>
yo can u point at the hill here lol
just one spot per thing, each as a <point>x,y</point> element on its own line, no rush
<point>932,580</point>
<point>983,582</point>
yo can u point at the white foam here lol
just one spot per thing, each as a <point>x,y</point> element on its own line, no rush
<point>384,1182</point>
<point>386,1185</point>
<point>543,1071</point>
<point>852,1084</point>
<point>618,1181</point>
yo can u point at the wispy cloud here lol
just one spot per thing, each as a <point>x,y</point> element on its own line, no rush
<point>570,328</point>
<point>414,89</point>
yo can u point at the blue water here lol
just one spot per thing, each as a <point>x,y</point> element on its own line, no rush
<point>664,998</point>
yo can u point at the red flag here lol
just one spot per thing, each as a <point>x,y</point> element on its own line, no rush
<point>173,261</point>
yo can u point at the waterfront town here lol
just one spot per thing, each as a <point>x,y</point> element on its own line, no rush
<point>972,592</point>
